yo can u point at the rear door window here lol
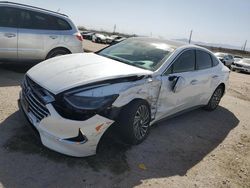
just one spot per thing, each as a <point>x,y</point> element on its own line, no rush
<point>203,60</point>
<point>8,17</point>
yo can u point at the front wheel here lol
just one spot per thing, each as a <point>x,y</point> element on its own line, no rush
<point>215,99</point>
<point>134,122</point>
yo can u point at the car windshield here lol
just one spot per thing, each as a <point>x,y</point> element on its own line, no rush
<point>246,61</point>
<point>146,54</point>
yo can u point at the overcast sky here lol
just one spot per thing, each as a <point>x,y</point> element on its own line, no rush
<point>213,21</point>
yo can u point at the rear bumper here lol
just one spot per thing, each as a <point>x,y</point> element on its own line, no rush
<point>55,131</point>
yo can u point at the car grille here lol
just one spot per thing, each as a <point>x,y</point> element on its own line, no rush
<point>34,105</point>
<point>237,65</point>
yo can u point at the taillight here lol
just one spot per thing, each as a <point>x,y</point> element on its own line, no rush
<point>79,36</point>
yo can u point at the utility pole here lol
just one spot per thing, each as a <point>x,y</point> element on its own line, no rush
<point>244,46</point>
<point>114,28</point>
<point>190,37</point>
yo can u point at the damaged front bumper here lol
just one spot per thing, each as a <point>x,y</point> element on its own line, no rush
<point>70,137</point>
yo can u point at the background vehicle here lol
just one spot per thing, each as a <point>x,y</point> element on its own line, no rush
<point>109,39</point>
<point>237,58</point>
<point>29,33</point>
<point>242,65</point>
<point>87,35</point>
<point>99,38</point>
<point>117,40</point>
<point>135,83</point>
<point>226,59</point>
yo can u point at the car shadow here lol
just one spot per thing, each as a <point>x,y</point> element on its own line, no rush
<point>12,74</point>
<point>173,147</point>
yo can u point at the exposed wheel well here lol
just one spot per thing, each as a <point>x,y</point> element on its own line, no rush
<point>58,48</point>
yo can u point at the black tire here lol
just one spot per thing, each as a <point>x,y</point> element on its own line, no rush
<point>57,52</point>
<point>134,133</point>
<point>215,99</point>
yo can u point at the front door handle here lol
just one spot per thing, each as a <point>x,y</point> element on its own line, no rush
<point>9,35</point>
<point>194,82</point>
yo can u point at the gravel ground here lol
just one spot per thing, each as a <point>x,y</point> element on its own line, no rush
<point>196,149</point>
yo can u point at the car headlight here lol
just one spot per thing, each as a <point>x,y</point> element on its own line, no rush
<point>90,103</point>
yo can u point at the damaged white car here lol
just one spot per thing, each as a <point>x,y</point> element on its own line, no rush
<point>72,100</point>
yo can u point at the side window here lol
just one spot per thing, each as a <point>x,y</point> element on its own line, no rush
<point>203,60</point>
<point>37,20</point>
<point>169,71</point>
<point>185,62</point>
<point>33,20</point>
<point>61,24</point>
<point>8,17</point>
<point>215,61</point>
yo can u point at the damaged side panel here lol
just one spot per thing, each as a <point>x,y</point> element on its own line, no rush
<point>147,89</point>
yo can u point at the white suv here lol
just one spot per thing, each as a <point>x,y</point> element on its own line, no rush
<point>29,33</point>
<point>72,100</point>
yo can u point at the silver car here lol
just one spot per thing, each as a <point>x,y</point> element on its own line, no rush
<point>30,33</point>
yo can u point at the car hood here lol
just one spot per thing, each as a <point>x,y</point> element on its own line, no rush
<point>66,72</point>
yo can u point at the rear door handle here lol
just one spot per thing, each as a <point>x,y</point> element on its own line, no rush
<point>194,82</point>
<point>53,37</point>
<point>9,35</point>
<point>215,76</point>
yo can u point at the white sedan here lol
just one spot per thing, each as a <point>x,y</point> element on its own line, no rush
<point>241,65</point>
<point>72,100</point>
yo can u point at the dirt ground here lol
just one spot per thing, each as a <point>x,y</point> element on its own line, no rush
<point>196,149</point>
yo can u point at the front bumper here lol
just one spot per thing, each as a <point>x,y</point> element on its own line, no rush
<point>55,130</point>
<point>242,68</point>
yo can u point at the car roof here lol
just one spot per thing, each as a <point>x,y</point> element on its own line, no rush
<point>29,7</point>
<point>171,43</point>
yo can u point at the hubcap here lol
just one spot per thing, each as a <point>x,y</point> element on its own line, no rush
<point>141,122</point>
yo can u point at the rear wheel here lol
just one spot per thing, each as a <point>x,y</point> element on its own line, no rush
<point>134,122</point>
<point>57,52</point>
<point>215,99</point>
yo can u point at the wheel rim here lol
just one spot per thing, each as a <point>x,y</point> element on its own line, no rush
<point>216,98</point>
<point>141,122</point>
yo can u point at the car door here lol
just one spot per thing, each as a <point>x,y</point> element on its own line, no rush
<point>8,33</point>
<point>208,75</point>
<point>35,35</point>
<point>189,93</point>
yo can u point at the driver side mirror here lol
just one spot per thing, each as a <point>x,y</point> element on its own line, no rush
<point>177,83</point>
